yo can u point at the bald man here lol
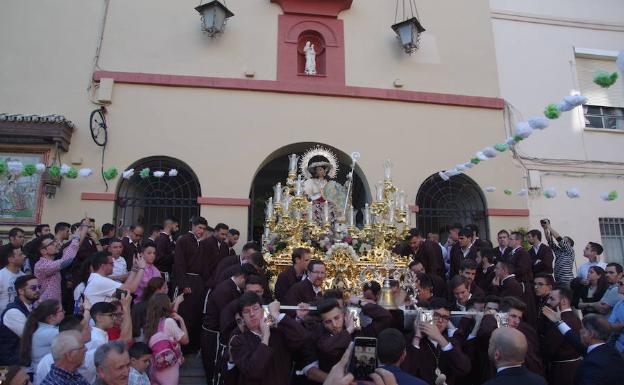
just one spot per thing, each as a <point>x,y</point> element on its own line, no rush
<point>507,350</point>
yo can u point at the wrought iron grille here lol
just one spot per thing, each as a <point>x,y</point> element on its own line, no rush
<point>442,203</point>
<point>612,234</point>
<point>147,201</point>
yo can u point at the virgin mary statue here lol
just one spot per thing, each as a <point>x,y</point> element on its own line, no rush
<point>319,167</point>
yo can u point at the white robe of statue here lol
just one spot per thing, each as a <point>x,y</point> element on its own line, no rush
<point>310,56</point>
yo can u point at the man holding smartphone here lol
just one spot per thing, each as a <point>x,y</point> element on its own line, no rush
<point>563,251</point>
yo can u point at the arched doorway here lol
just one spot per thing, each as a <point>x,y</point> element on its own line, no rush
<point>275,169</point>
<point>147,201</point>
<point>442,203</point>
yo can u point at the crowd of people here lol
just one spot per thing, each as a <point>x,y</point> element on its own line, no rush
<point>78,307</point>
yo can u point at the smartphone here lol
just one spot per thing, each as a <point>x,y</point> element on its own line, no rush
<point>363,360</point>
<point>119,292</point>
<point>544,222</point>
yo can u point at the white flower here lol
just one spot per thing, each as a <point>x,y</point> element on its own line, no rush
<point>128,173</point>
<point>605,196</point>
<point>444,176</point>
<point>85,172</point>
<point>490,152</point>
<point>481,156</point>
<point>575,100</point>
<point>15,167</point>
<point>173,172</point>
<point>342,247</point>
<point>523,129</point>
<point>564,106</point>
<point>510,141</point>
<point>522,192</point>
<point>65,169</point>
<point>550,192</point>
<point>490,189</point>
<point>460,167</point>
<point>40,167</point>
<point>159,174</point>
<point>469,165</point>
<point>538,123</point>
<point>573,192</point>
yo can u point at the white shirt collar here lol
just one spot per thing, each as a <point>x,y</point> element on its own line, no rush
<point>594,346</point>
<point>507,367</point>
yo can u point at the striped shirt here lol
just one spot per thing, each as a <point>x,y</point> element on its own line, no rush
<point>564,260</point>
<point>58,376</point>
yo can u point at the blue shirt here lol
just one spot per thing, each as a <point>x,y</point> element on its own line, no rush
<point>58,376</point>
<point>617,316</point>
<point>403,378</point>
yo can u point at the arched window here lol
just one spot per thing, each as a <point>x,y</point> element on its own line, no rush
<point>148,201</point>
<point>317,40</point>
<point>275,169</point>
<point>458,200</point>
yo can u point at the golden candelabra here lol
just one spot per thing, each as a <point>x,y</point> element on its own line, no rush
<point>290,223</point>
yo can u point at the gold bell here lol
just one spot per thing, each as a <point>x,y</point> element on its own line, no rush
<point>386,299</point>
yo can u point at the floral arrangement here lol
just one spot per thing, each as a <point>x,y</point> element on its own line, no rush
<point>342,247</point>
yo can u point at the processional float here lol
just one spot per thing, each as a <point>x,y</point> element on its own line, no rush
<point>295,216</point>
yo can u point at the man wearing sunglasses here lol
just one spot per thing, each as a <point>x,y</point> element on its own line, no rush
<point>14,318</point>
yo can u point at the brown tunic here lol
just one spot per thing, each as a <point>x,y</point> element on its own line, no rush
<point>545,257</point>
<point>422,361</point>
<point>560,354</point>
<point>262,364</point>
<point>165,250</point>
<point>429,254</point>
<point>187,258</point>
<point>285,280</point>
<point>219,298</point>
<point>457,256</point>
<point>230,260</point>
<point>130,249</point>
<point>212,252</point>
<point>523,269</point>
<point>301,292</point>
<point>509,287</point>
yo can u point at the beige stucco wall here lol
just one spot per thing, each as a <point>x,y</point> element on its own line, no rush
<point>49,49</point>
<point>535,55</point>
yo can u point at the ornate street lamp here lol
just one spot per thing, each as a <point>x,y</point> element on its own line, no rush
<point>214,15</point>
<point>409,29</point>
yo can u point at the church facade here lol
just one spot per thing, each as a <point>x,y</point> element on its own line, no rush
<point>226,111</point>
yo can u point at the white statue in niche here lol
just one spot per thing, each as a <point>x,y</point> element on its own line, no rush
<point>310,56</point>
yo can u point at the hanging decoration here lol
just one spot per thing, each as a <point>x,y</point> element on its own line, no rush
<point>605,79</point>
<point>29,170</point>
<point>490,189</point>
<point>550,192</point>
<point>3,168</point>
<point>145,173</point>
<point>573,192</point>
<point>522,192</point>
<point>609,195</point>
<point>72,173</point>
<point>15,167</point>
<point>173,172</point>
<point>128,173</point>
<point>85,172</point>
<point>110,173</point>
<point>159,174</point>
<point>40,168</point>
<point>508,191</point>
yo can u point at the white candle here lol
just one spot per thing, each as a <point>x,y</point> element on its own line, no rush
<point>298,184</point>
<point>326,212</point>
<point>388,169</point>
<point>350,216</point>
<point>292,165</point>
<point>379,188</point>
<point>269,208</point>
<point>367,215</point>
<point>277,192</point>
<point>286,205</point>
<point>310,213</point>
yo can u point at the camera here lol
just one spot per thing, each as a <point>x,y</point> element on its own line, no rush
<point>545,222</point>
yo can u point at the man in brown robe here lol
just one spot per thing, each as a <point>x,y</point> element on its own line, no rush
<point>339,329</point>
<point>165,248</point>
<point>263,354</point>
<point>425,251</point>
<point>235,260</point>
<point>190,279</point>
<point>132,244</point>
<point>286,279</point>
<point>463,249</point>
<point>503,249</point>
<point>213,249</point>
<point>310,289</point>
<point>541,255</point>
<point>505,283</point>
<point>520,259</point>
<point>224,293</point>
<point>561,357</point>
<point>433,346</point>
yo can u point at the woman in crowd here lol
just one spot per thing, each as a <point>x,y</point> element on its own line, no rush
<point>139,310</point>
<point>163,323</point>
<point>40,329</point>
<point>593,291</point>
<point>149,255</point>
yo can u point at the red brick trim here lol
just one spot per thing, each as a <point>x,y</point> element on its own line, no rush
<point>89,196</point>
<point>314,7</point>
<point>507,212</point>
<point>213,201</point>
<point>414,209</point>
<point>301,88</point>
